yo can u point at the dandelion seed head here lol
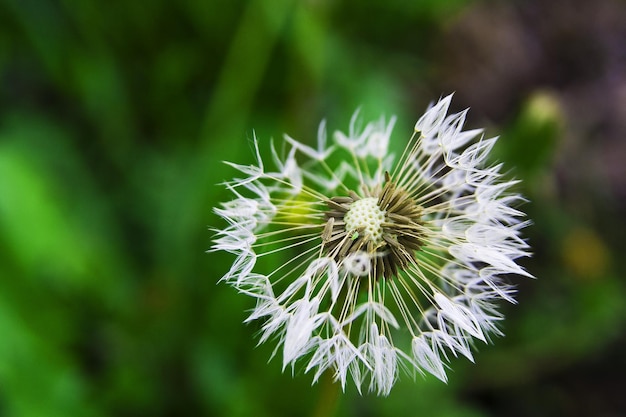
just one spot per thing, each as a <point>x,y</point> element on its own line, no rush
<point>379,266</point>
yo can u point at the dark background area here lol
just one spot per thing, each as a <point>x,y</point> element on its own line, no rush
<point>115,117</point>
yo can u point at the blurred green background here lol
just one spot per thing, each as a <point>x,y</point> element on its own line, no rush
<point>115,117</point>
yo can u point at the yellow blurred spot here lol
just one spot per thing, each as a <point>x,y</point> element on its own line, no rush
<point>544,107</point>
<point>585,254</point>
<point>299,209</point>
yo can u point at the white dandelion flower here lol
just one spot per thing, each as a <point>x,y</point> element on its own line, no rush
<point>363,267</point>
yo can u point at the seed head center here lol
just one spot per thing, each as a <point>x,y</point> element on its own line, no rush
<point>365,217</point>
<point>386,228</point>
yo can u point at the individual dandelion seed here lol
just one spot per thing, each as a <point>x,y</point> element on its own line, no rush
<point>364,267</point>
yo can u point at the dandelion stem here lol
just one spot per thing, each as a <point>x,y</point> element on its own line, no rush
<point>328,401</point>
